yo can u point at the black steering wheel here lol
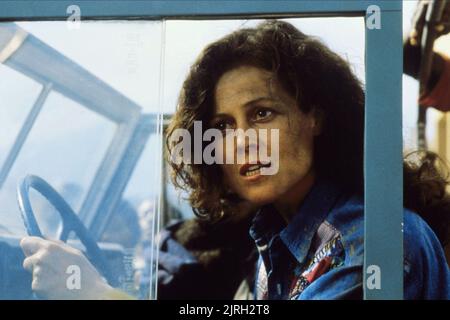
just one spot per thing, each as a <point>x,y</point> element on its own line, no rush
<point>70,221</point>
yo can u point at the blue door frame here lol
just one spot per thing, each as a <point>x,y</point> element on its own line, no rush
<point>383,123</point>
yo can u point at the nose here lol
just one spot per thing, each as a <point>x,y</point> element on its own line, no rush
<point>246,143</point>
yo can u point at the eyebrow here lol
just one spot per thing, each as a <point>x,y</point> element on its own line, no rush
<point>247,104</point>
<point>251,102</point>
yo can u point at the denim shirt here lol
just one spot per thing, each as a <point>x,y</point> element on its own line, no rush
<point>319,254</point>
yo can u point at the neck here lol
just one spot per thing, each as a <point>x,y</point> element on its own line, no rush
<point>288,204</point>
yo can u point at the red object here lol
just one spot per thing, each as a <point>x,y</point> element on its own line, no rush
<point>439,97</point>
<point>321,267</point>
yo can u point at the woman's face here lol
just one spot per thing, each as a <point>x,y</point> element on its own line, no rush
<point>248,97</point>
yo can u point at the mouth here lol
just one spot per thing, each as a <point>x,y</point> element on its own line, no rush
<point>252,171</point>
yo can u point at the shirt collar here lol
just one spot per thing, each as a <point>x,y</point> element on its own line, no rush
<point>298,234</point>
<point>265,225</point>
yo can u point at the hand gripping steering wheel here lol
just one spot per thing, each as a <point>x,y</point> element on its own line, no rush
<point>70,221</point>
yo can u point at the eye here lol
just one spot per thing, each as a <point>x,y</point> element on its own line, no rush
<point>222,125</point>
<point>263,114</point>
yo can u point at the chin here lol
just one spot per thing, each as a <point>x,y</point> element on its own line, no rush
<point>259,197</point>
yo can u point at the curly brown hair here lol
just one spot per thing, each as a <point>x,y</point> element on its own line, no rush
<point>319,79</point>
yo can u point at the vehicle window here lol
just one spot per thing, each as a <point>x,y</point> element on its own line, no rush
<point>99,112</point>
<point>14,105</point>
<point>59,149</point>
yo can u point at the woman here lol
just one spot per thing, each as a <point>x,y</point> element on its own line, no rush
<point>308,228</point>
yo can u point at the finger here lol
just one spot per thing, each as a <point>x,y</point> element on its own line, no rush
<point>176,249</point>
<point>37,271</point>
<point>30,245</point>
<point>172,263</point>
<point>164,277</point>
<point>36,284</point>
<point>57,241</point>
<point>29,263</point>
